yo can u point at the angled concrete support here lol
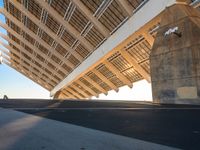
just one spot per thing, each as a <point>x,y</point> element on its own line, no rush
<point>175,57</point>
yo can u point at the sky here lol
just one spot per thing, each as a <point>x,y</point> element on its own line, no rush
<point>141,90</point>
<point>15,85</point>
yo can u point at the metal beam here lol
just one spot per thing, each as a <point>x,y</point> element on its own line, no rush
<point>45,28</point>
<point>70,95</point>
<point>149,38</point>
<point>5,61</point>
<point>57,95</point>
<point>96,85</point>
<point>66,96</point>
<point>78,94</point>
<point>34,36</point>
<point>105,80</point>
<point>92,19</point>
<point>4,51</point>
<point>86,88</point>
<point>6,56</point>
<point>27,60</point>
<point>23,49</point>
<point>66,24</point>
<point>118,74</point>
<point>20,37</point>
<point>27,75</point>
<point>126,6</point>
<point>79,90</point>
<point>195,4</point>
<point>60,96</point>
<point>136,66</point>
<point>32,71</point>
<point>74,93</point>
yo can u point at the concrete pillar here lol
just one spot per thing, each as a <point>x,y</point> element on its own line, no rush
<point>175,57</point>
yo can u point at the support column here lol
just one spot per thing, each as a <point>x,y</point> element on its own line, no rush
<point>175,57</point>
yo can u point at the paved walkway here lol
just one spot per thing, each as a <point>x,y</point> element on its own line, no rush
<point>20,131</point>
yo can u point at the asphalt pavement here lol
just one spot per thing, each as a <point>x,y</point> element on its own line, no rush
<point>171,125</point>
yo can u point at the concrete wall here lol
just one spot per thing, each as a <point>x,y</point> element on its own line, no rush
<point>175,57</point>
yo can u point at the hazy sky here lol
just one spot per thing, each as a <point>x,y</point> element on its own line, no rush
<point>16,85</point>
<point>141,90</point>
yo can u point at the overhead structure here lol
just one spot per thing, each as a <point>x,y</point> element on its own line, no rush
<point>1,58</point>
<point>77,49</point>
